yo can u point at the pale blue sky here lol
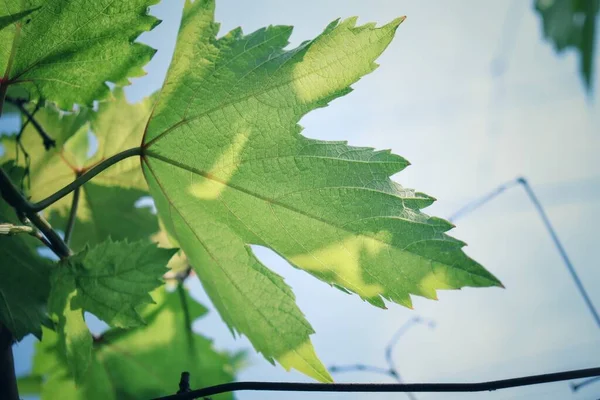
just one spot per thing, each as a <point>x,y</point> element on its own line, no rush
<point>434,101</point>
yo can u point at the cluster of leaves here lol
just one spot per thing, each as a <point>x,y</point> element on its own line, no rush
<point>571,24</point>
<point>223,157</point>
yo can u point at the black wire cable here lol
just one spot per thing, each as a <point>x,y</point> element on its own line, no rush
<point>385,387</point>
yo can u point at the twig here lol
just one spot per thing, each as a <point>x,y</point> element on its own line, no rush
<point>48,141</point>
<point>86,176</point>
<point>72,216</point>
<point>386,387</point>
<point>469,208</point>
<point>19,146</point>
<point>187,320</point>
<point>576,386</point>
<point>13,197</point>
<point>392,370</point>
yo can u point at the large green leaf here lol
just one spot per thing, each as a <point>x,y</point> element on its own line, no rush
<point>141,363</point>
<point>572,24</point>
<point>107,204</point>
<point>68,50</point>
<point>24,280</point>
<point>228,168</point>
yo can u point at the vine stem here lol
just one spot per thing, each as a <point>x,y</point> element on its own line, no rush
<point>8,380</point>
<point>72,215</point>
<point>48,141</point>
<point>13,196</point>
<point>83,178</point>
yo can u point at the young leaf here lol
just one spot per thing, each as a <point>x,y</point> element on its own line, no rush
<point>24,282</point>
<point>112,280</point>
<point>228,167</point>
<point>107,204</point>
<point>144,362</point>
<point>67,51</point>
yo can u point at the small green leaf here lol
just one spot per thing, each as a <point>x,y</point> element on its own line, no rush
<point>24,282</point>
<point>112,280</point>
<point>139,363</point>
<point>69,50</point>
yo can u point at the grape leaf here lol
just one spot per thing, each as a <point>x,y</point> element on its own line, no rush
<point>22,306</point>
<point>140,363</point>
<point>572,24</point>
<point>67,50</point>
<point>228,168</point>
<point>113,279</point>
<point>107,204</point>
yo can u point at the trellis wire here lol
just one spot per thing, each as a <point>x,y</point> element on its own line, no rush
<point>385,387</point>
<point>474,205</point>
<point>392,370</point>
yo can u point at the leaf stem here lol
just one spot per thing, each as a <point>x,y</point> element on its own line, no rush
<point>13,197</point>
<point>187,320</point>
<point>72,216</point>
<point>3,90</point>
<point>86,176</point>
<point>48,141</point>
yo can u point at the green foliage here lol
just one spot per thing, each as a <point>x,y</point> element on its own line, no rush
<point>22,306</point>
<point>112,281</point>
<point>571,24</point>
<point>228,168</point>
<point>107,205</point>
<point>225,161</point>
<point>67,50</point>
<point>139,363</point>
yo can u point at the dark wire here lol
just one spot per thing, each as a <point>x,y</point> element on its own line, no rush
<point>385,387</point>
<point>392,370</point>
